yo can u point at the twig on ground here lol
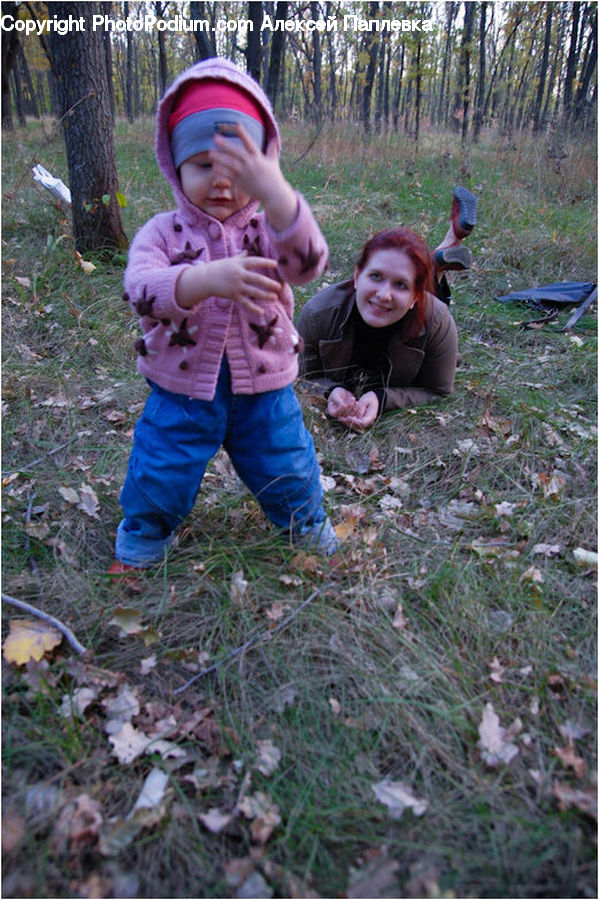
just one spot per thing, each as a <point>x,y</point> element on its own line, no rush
<point>46,617</point>
<point>253,640</point>
<point>40,459</point>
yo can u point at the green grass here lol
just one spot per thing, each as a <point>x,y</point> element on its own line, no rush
<point>346,698</point>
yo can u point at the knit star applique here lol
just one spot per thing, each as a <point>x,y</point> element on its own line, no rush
<point>182,337</point>
<point>264,332</point>
<point>144,304</point>
<point>252,246</point>
<point>308,260</point>
<point>188,253</point>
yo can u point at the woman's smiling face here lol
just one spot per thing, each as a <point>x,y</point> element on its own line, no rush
<point>385,287</point>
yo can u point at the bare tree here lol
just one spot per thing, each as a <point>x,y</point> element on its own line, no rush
<point>276,59</point>
<point>206,48</point>
<point>78,63</point>
<point>538,122</point>
<point>10,49</point>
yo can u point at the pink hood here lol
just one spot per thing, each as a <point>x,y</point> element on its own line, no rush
<point>209,68</point>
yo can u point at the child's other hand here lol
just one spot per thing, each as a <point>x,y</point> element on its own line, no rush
<point>235,278</point>
<point>257,174</point>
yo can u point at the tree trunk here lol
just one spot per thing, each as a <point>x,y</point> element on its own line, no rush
<point>31,104</point>
<point>571,64</point>
<point>452,9</point>
<point>159,10</point>
<point>480,95</point>
<point>418,91</point>
<point>537,119</point>
<point>277,55</point>
<point>253,51</point>
<point>332,98</point>
<point>129,70</point>
<point>317,64</point>
<point>369,83</point>
<point>10,49</point>
<point>205,45</point>
<point>581,101</point>
<point>79,66</point>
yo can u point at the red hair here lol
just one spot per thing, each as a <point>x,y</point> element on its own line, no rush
<point>413,246</point>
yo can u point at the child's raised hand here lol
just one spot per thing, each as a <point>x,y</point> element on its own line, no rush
<point>236,278</point>
<point>257,174</point>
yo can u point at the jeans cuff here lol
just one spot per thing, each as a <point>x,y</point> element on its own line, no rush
<point>133,550</point>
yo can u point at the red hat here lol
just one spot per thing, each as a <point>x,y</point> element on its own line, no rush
<point>202,108</point>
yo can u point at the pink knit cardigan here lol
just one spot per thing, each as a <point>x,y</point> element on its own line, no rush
<point>182,350</point>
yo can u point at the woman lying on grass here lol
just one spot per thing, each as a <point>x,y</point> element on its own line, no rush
<point>382,340</point>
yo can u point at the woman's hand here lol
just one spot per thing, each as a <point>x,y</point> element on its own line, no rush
<point>234,278</point>
<point>341,403</point>
<point>357,415</point>
<point>257,174</point>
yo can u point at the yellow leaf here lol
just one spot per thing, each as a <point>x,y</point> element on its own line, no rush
<point>128,620</point>
<point>29,639</point>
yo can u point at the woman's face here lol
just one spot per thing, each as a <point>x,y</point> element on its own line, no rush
<point>385,287</point>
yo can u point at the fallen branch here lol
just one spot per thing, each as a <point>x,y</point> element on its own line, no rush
<point>46,617</point>
<point>254,640</point>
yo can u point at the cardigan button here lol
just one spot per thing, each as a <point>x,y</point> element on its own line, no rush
<point>214,231</point>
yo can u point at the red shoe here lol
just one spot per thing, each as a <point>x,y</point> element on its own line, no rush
<point>124,575</point>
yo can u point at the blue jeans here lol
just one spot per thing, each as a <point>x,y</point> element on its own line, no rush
<point>176,436</point>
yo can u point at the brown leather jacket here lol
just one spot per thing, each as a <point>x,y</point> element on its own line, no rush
<point>417,370</point>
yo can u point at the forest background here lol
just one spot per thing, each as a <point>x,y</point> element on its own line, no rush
<point>422,720</point>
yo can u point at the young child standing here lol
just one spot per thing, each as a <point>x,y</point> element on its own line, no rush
<point>209,283</point>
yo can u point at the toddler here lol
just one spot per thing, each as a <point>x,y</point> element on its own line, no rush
<point>209,283</point>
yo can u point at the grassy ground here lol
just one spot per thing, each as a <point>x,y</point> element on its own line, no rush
<point>460,593</point>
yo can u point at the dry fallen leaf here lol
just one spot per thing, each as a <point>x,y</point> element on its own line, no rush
<point>583,800</point>
<point>146,665</point>
<point>150,807</point>
<point>551,483</point>
<point>264,813</point>
<point>68,494</point>
<point>335,706</point>
<point>495,741</point>
<point>497,671</point>
<point>533,575</point>
<point>89,502</point>
<point>88,267</point>
<point>239,587</point>
<point>120,708</point>
<point>152,792</point>
<point>214,820</point>
<point>128,743</point>
<point>76,703</point>
<point>570,759</point>
<point>397,797</point>
<point>129,621</point>
<point>399,620</point>
<point>77,826</point>
<point>548,550</point>
<point>29,639</point>
<point>276,611</point>
<point>269,757</point>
